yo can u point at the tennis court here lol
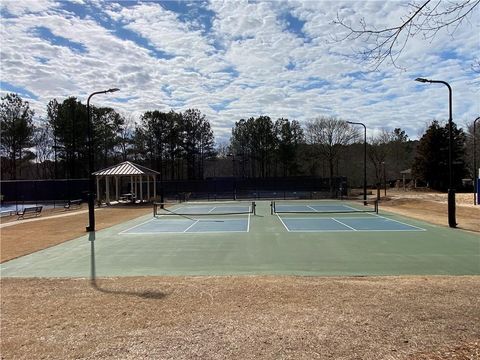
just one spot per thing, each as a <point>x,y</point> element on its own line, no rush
<point>262,237</point>
<point>322,216</point>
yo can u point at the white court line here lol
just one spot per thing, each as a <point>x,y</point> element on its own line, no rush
<point>354,218</point>
<point>182,232</point>
<point>190,226</point>
<point>349,207</point>
<point>344,224</point>
<point>133,227</point>
<point>248,223</point>
<point>286,227</point>
<point>312,208</point>
<point>350,231</point>
<point>416,227</point>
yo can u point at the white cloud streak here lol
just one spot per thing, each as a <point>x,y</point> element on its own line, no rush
<point>248,63</point>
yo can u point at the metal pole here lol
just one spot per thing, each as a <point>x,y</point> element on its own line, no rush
<point>364,160</point>
<point>384,178</point>
<point>451,191</point>
<point>91,177</point>
<point>475,170</point>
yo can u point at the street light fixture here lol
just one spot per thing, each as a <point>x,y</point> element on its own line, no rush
<point>364,160</point>
<point>91,181</point>
<point>475,170</point>
<point>451,192</point>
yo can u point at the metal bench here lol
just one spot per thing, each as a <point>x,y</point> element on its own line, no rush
<point>29,211</point>
<point>70,203</point>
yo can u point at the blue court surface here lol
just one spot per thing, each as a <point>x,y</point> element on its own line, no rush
<point>181,225</point>
<point>352,242</point>
<point>314,208</point>
<point>344,223</point>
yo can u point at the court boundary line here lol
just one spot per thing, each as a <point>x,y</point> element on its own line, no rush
<point>343,224</point>
<point>124,232</point>
<point>133,227</point>
<point>415,228</point>
<point>285,226</point>
<point>195,222</point>
<point>400,222</point>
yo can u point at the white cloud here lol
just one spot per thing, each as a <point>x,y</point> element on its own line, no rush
<point>247,64</point>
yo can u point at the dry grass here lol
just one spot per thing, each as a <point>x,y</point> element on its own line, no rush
<point>432,207</point>
<point>244,317</point>
<point>54,227</point>
<point>241,318</point>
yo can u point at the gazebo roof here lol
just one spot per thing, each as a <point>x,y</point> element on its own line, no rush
<point>126,168</point>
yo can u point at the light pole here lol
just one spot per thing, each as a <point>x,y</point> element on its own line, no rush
<point>91,178</point>
<point>364,160</point>
<point>451,192</point>
<point>384,178</point>
<point>234,174</point>
<point>475,170</point>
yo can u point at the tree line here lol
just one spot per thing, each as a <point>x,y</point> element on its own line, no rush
<point>181,145</point>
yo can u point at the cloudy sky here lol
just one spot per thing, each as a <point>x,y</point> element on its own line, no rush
<point>235,59</point>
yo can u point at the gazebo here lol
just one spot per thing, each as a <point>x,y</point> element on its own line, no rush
<point>137,174</point>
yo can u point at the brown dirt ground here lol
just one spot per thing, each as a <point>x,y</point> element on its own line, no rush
<point>242,317</point>
<point>432,207</point>
<point>56,227</point>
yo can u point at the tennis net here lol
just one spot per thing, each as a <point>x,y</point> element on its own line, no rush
<point>323,206</point>
<point>204,209</point>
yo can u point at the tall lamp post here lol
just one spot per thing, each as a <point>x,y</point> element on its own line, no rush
<point>364,160</point>
<point>91,181</point>
<point>451,192</point>
<point>475,170</point>
<point>384,178</point>
<point>234,174</point>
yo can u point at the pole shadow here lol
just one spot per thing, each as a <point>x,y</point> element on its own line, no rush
<point>148,294</point>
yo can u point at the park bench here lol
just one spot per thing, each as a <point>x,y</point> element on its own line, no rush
<point>68,205</point>
<point>29,211</point>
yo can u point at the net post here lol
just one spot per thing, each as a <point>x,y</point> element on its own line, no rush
<point>272,206</point>
<point>376,206</point>
<point>254,208</point>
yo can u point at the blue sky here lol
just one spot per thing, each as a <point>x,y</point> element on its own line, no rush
<point>233,60</point>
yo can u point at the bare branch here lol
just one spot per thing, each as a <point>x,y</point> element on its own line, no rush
<point>426,19</point>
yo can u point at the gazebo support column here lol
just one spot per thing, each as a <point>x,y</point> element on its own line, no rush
<point>98,190</point>
<point>116,188</point>
<point>107,190</point>
<point>154,186</point>
<point>148,188</point>
<point>132,190</point>
<point>141,187</point>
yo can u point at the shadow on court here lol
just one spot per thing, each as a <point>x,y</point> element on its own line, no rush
<point>147,294</point>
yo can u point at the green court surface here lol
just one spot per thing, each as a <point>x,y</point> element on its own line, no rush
<point>306,239</point>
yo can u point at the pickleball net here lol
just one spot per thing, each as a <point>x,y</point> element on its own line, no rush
<point>204,209</point>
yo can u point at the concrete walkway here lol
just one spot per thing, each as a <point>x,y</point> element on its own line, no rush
<point>40,218</point>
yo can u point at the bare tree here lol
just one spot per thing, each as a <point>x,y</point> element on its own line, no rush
<point>125,135</point>
<point>44,142</point>
<point>377,152</point>
<point>424,19</point>
<point>329,135</point>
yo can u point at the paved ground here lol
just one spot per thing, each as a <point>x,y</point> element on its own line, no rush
<point>267,248</point>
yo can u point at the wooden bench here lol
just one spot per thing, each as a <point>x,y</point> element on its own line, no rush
<point>70,203</point>
<point>33,211</point>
